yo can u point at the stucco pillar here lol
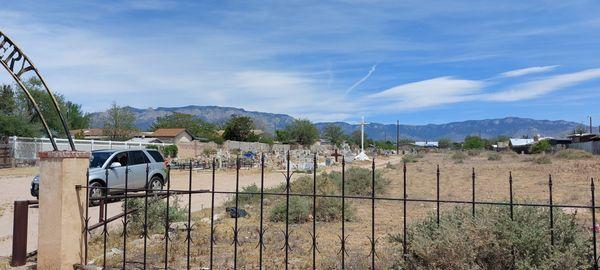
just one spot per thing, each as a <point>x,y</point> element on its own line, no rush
<point>61,209</point>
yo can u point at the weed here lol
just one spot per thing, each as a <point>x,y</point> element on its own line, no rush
<point>458,157</point>
<point>494,156</point>
<point>157,208</point>
<point>573,154</point>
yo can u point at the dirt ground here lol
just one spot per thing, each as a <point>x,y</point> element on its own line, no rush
<point>571,180</point>
<point>571,186</point>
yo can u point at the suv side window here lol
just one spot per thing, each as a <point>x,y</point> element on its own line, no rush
<point>156,156</point>
<point>121,158</point>
<point>138,157</point>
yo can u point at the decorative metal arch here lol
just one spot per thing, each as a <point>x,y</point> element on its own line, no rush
<point>17,64</point>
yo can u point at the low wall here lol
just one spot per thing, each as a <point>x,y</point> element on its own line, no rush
<point>187,150</point>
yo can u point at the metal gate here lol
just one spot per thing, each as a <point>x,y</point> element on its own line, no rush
<point>5,159</point>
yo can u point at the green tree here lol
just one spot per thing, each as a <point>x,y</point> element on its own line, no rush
<point>444,143</point>
<point>194,124</point>
<point>7,100</point>
<point>21,119</point>
<point>302,132</point>
<point>541,147</point>
<point>580,129</point>
<point>119,123</point>
<point>334,134</point>
<point>75,117</point>
<point>474,142</point>
<point>385,145</point>
<point>16,125</point>
<point>238,128</point>
<point>356,136</point>
<point>282,136</point>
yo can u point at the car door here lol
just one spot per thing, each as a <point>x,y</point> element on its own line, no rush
<point>137,165</point>
<point>116,175</point>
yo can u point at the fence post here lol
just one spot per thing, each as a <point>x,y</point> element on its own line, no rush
<point>594,225</point>
<point>61,209</point>
<point>19,244</point>
<point>14,152</point>
<point>404,197</point>
<point>473,182</point>
<point>551,210</point>
<point>437,195</point>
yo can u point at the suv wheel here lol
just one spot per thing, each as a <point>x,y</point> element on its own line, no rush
<point>155,184</point>
<point>95,193</point>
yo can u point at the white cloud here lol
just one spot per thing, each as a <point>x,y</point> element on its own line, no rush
<point>537,88</point>
<point>527,71</point>
<point>428,93</point>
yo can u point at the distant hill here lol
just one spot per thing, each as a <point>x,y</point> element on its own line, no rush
<point>510,126</point>
<point>457,131</point>
<point>211,114</point>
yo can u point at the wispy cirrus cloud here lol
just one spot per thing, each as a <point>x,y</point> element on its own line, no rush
<point>540,87</point>
<point>449,90</point>
<point>527,71</point>
<point>428,93</point>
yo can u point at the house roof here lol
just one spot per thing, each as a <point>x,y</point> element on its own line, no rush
<point>427,144</point>
<point>88,132</point>
<point>521,142</point>
<point>168,132</point>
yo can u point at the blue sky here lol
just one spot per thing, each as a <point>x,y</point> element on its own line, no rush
<point>416,61</point>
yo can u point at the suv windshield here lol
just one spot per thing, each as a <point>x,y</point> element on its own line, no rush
<point>98,159</point>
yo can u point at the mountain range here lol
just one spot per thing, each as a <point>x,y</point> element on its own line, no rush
<point>457,131</point>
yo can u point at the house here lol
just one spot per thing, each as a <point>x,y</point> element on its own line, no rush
<point>559,144</point>
<point>501,146</point>
<point>89,134</point>
<point>584,137</point>
<point>427,144</point>
<point>172,135</point>
<point>521,145</point>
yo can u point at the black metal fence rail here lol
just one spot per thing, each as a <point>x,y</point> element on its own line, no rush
<point>125,194</point>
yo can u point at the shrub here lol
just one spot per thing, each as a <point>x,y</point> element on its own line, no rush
<point>244,199</point>
<point>170,150</point>
<point>358,181</point>
<point>410,158</point>
<point>542,160</point>
<point>494,156</point>
<point>444,143</point>
<point>542,146</point>
<point>299,210</point>
<point>458,156</point>
<point>156,214</point>
<point>573,154</point>
<point>209,152</point>
<point>327,209</point>
<point>487,241</point>
<point>474,142</point>
<point>390,166</point>
<point>473,153</point>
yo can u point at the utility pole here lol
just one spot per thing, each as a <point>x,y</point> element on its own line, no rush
<point>397,137</point>
<point>591,131</point>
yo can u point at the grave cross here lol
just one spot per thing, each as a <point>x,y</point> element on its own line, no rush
<point>336,155</point>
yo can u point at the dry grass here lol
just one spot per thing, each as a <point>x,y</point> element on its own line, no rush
<point>571,180</point>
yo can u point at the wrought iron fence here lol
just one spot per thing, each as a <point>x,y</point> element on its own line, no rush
<point>124,194</point>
